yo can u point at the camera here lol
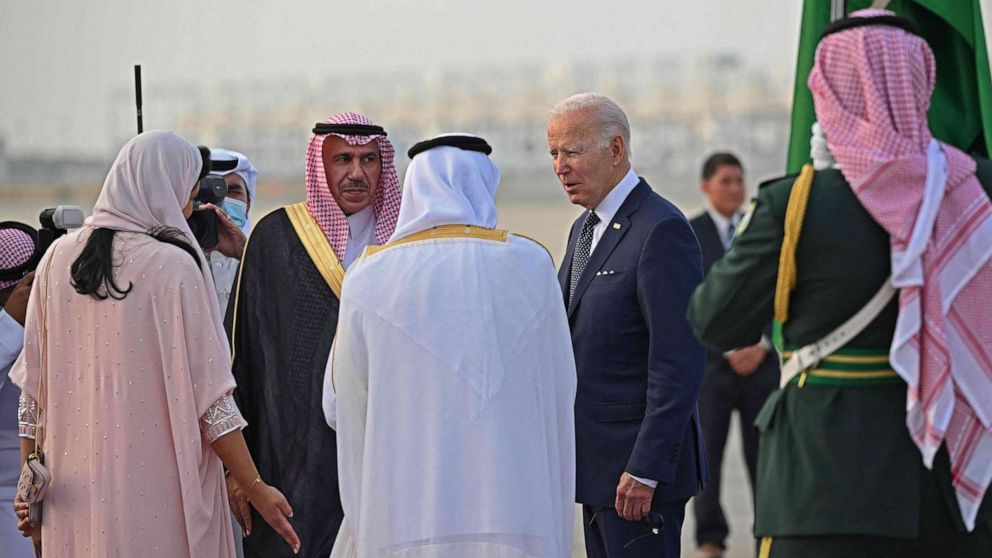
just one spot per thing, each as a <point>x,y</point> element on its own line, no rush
<point>55,222</point>
<point>213,190</point>
<point>204,222</point>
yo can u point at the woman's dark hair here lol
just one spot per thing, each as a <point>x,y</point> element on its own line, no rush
<point>93,271</point>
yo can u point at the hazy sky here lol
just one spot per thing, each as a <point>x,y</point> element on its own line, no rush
<point>59,61</point>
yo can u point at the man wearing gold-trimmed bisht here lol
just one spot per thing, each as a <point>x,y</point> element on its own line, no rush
<point>283,317</point>
<point>877,265</point>
<point>452,380</point>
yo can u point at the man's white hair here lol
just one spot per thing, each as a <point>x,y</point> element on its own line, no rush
<point>605,112</point>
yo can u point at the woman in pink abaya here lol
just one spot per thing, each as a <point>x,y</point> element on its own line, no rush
<point>126,376</point>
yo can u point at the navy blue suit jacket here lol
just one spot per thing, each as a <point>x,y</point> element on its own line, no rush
<point>639,365</point>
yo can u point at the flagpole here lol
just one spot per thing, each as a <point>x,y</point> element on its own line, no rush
<point>838,9</point>
<point>137,96</point>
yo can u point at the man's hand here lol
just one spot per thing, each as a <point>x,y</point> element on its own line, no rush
<point>230,238</point>
<point>17,302</point>
<point>745,361</point>
<point>239,504</point>
<point>633,498</point>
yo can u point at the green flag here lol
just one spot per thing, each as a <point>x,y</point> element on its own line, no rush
<point>961,108</point>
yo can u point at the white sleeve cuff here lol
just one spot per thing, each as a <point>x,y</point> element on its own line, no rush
<point>27,417</point>
<point>221,418</point>
<point>647,482</point>
<point>329,401</point>
<point>11,339</point>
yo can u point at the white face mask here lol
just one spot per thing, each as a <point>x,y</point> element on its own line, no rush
<point>237,211</point>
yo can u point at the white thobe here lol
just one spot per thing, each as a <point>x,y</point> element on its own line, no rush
<point>361,233</point>
<point>12,544</point>
<point>224,270</point>
<point>455,384</point>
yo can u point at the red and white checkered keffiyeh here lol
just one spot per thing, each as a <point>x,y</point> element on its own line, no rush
<point>871,88</point>
<point>16,248</point>
<point>320,202</point>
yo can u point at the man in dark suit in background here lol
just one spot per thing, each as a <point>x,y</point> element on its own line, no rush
<point>632,263</point>
<point>738,380</point>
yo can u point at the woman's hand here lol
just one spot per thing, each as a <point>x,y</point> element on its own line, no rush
<point>269,502</point>
<point>21,510</point>
<point>239,504</point>
<point>274,508</point>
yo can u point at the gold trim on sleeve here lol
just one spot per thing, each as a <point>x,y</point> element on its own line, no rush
<point>237,297</point>
<point>317,246</point>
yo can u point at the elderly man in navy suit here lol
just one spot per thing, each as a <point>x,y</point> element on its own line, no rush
<point>632,263</point>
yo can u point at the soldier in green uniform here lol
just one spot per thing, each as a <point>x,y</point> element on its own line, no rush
<point>839,472</point>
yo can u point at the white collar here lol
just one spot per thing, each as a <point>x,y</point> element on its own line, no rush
<point>721,222</point>
<point>360,220</point>
<point>608,208</point>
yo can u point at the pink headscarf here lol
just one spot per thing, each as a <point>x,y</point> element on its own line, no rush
<point>871,88</point>
<point>320,202</point>
<point>147,187</point>
<point>16,248</point>
<point>161,351</point>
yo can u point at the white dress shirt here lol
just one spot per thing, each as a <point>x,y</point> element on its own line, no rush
<point>11,343</point>
<point>608,208</point>
<point>723,225</point>
<point>361,233</point>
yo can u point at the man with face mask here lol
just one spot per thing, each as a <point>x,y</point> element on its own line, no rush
<point>283,317</point>
<point>240,176</point>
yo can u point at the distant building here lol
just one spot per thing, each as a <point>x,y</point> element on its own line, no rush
<point>46,170</point>
<point>680,109</point>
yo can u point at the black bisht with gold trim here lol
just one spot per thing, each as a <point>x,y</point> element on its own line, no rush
<point>281,319</point>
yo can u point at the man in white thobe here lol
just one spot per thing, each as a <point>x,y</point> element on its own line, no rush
<point>453,378</point>
<point>241,177</point>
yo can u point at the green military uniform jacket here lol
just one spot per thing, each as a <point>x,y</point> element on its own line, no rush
<point>835,456</point>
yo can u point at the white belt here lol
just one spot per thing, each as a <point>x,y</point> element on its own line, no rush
<point>811,355</point>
